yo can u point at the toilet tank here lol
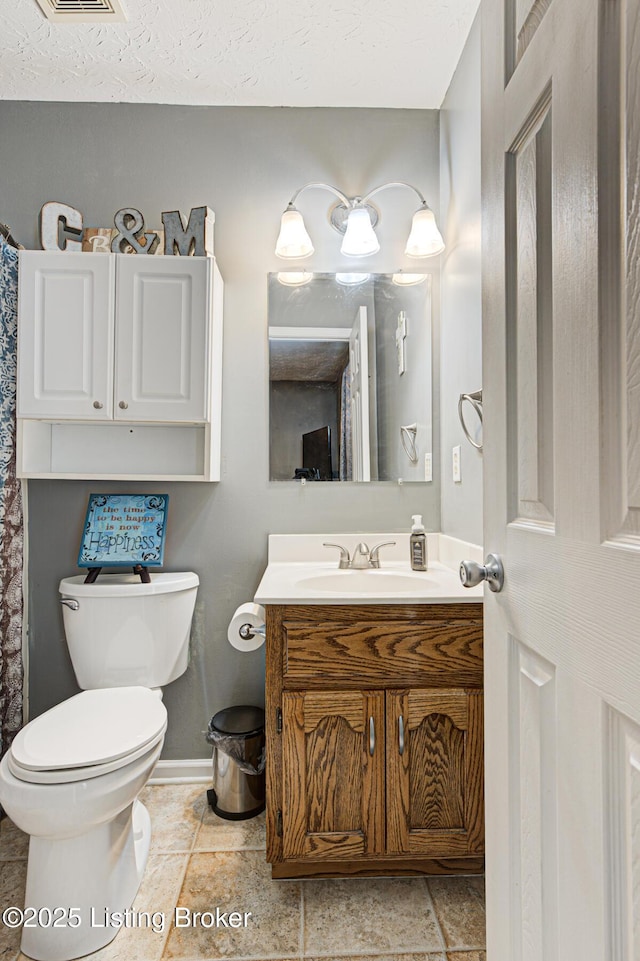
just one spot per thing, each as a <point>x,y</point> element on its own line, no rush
<point>124,632</point>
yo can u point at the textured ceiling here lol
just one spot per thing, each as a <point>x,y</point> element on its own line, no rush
<point>301,53</point>
<point>307,360</point>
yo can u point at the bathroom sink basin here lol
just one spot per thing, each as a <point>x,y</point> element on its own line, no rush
<point>363,582</point>
<point>302,569</point>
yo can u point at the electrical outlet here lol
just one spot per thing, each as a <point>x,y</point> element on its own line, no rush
<point>455,464</point>
<point>428,467</point>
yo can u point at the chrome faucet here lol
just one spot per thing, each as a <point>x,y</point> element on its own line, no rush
<point>374,556</point>
<point>345,560</point>
<point>363,558</point>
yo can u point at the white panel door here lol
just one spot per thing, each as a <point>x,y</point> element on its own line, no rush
<point>163,307</point>
<point>561,344</point>
<point>65,334</point>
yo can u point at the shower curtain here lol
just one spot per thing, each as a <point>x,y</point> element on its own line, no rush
<point>11,530</point>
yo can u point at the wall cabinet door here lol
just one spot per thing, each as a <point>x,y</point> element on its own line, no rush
<point>333,774</point>
<point>65,335</point>
<point>162,339</point>
<point>435,773</point>
<point>115,337</point>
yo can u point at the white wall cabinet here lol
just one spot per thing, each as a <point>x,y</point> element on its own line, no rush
<point>65,335</point>
<point>119,366</point>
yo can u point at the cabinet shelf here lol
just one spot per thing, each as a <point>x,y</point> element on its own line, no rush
<point>119,367</point>
<point>120,451</point>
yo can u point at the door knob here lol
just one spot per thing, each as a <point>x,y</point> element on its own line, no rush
<point>472,574</point>
<point>123,405</point>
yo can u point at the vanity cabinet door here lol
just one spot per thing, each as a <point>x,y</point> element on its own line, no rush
<point>65,335</point>
<point>163,311</point>
<point>333,774</point>
<point>434,773</point>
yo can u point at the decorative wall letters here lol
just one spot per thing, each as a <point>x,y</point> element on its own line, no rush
<point>130,224</point>
<point>129,236</point>
<point>54,214</point>
<point>97,240</point>
<point>195,239</point>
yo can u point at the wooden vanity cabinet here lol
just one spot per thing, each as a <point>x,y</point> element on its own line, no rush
<point>374,739</point>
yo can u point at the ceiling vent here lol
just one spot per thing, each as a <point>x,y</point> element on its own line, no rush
<point>83,11</point>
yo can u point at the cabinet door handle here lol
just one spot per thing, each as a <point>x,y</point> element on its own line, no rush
<point>372,736</point>
<point>401,735</point>
<point>98,405</point>
<point>123,405</point>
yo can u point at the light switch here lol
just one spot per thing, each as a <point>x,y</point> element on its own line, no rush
<point>455,464</point>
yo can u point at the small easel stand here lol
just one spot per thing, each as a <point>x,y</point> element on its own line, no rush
<point>145,576</point>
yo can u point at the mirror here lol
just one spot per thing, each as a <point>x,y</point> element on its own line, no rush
<point>349,378</point>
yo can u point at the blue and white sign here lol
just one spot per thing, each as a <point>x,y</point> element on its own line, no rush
<point>124,530</point>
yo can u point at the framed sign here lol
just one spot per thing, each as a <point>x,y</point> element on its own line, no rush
<point>124,530</point>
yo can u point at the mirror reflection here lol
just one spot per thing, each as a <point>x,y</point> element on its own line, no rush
<point>349,377</point>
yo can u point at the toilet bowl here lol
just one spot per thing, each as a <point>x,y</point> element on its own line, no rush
<point>72,775</point>
<point>70,780</point>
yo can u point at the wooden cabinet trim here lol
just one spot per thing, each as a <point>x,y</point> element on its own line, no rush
<point>345,613</point>
<point>449,651</point>
<point>378,867</point>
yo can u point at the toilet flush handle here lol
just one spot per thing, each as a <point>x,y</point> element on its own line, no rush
<point>70,602</point>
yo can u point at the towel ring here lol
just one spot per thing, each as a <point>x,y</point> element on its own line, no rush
<point>408,438</point>
<point>475,399</point>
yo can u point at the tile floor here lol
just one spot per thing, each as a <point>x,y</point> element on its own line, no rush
<point>201,862</point>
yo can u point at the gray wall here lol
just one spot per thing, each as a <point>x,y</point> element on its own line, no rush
<point>403,399</point>
<point>245,163</point>
<point>461,303</point>
<point>295,409</point>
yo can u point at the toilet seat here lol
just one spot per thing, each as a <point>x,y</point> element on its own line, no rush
<point>68,775</point>
<point>90,734</point>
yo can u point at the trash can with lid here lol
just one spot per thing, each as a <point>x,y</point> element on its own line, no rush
<point>237,735</point>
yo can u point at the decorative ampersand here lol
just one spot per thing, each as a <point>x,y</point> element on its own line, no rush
<point>130,226</point>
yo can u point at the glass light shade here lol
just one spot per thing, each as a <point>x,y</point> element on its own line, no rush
<point>425,240</point>
<point>351,280</point>
<point>295,278</point>
<point>294,243</point>
<point>360,238</point>
<point>407,280</point>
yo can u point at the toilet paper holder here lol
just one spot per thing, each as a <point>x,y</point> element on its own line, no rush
<point>247,631</point>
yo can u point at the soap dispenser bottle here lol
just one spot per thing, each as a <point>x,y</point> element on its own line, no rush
<point>418,544</point>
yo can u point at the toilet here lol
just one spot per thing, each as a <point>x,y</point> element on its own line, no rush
<point>72,775</point>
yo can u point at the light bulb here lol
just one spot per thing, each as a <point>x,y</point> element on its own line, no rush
<point>294,278</point>
<point>407,280</point>
<point>351,280</point>
<point>294,243</point>
<point>360,238</point>
<point>425,240</point>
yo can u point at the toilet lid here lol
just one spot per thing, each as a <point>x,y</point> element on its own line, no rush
<point>68,775</point>
<point>92,728</point>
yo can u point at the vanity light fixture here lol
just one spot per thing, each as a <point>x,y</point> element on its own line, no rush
<point>294,278</point>
<point>407,280</point>
<point>351,280</point>
<point>356,218</point>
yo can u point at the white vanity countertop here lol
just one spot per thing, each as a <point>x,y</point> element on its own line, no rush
<point>302,571</point>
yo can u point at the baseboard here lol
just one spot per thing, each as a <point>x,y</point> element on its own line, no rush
<point>192,771</point>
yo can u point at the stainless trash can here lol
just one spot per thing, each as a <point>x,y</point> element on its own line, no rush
<point>237,736</point>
